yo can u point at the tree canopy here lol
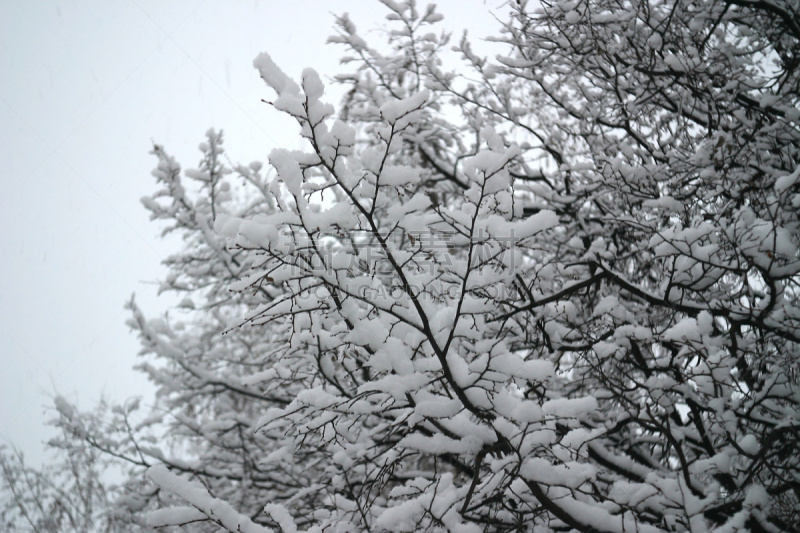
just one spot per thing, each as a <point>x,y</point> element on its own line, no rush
<point>553,290</point>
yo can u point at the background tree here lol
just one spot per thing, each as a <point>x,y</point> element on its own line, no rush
<point>557,292</point>
<point>69,494</point>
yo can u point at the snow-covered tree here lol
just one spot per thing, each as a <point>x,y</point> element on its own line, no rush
<point>69,494</point>
<point>556,290</point>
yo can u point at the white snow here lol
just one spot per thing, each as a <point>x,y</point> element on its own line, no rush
<point>195,494</point>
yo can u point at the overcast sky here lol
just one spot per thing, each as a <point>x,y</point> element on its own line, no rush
<point>85,88</point>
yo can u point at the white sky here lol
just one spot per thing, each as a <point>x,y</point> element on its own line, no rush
<point>85,88</point>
